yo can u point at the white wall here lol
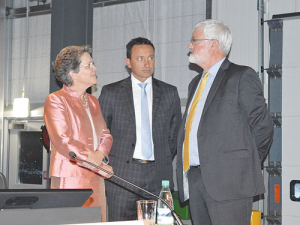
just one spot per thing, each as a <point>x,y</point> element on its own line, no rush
<point>242,18</point>
<point>290,118</point>
<point>36,61</point>
<point>30,68</point>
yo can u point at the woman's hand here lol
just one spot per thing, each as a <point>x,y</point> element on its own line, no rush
<point>108,168</point>
<point>94,157</point>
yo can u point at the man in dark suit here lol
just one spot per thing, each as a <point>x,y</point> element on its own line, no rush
<point>126,114</point>
<point>225,133</point>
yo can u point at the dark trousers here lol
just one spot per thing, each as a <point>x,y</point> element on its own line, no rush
<point>207,211</point>
<point>122,206</point>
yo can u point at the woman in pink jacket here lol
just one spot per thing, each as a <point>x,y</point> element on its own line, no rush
<point>75,123</point>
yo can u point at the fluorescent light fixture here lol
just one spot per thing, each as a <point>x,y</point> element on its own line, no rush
<point>21,107</point>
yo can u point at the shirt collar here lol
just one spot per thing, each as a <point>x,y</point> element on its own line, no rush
<point>136,81</point>
<point>215,68</point>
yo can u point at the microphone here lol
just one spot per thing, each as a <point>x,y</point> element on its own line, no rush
<point>174,214</point>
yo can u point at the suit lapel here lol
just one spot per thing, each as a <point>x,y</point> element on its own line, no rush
<point>156,99</point>
<point>191,94</point>
<point>127,98</point>
<point>215,86</point>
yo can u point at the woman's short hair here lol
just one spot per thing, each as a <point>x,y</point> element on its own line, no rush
<point>215,29</point>
<point>68,59</point>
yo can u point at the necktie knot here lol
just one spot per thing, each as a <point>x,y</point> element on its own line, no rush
<point>143,85</point>
<point>205,75</point>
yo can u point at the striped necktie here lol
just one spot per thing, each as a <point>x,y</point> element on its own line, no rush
<point>189,122</point>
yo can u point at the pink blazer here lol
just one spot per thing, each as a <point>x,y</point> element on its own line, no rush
<point>70,129</point>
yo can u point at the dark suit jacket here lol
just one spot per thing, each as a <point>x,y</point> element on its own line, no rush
<point>234,134</point>
<point>116,101</point>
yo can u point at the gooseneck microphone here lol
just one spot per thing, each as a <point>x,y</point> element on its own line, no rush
<point>174,214</point>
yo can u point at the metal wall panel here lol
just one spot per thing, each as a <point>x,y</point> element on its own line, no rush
<point>275,200</point>
<point>2,73</point>
<point>274,211</point>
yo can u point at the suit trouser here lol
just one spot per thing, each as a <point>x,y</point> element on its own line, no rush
<point>207,211</point>
<point>122,205</point>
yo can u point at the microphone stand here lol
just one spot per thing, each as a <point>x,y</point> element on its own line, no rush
<point>174,214</point>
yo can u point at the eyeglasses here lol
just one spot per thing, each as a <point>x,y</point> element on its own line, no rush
<point>193,41</point>
<point>89,65</point>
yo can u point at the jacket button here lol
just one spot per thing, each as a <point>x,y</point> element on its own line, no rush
<point>132,144</point>
<point>127,161</point>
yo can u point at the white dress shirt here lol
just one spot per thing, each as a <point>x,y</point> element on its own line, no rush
<point>136,91</point>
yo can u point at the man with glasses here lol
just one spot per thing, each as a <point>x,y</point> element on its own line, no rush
<point>143,115</point>
<point>225,133</point>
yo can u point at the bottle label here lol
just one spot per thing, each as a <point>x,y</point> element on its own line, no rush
<point>164,217</point>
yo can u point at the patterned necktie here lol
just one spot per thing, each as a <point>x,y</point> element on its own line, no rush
<point>189,122</point>
<point>145,122</point>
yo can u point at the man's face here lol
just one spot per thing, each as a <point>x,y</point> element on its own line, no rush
<point>142,62</point>
<point>200,51</point>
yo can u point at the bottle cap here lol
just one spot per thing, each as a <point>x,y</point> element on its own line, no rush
<point>165,183</point>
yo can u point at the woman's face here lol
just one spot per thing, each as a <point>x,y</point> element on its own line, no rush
<point>87,72</point>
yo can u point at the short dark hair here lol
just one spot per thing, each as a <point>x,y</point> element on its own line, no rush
<point>137,41</point>
<point>68,59</point>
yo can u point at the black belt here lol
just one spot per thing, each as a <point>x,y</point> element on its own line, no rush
<point>197,167</point>
<point>142,161</point>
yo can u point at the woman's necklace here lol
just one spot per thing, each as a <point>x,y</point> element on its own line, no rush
<point>86,101</point>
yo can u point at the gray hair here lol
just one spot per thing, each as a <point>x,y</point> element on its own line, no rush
<point>215,29</point>
<point>68,59</point>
